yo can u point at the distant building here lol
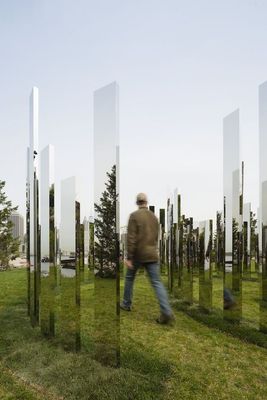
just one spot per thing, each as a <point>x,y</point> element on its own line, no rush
<point>18,228</point>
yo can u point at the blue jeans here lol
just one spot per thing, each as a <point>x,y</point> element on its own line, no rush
<point>228,296</point>
<point>154,276</point>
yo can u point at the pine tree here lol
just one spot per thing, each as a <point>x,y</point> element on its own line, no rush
<point>8,245</point>
<point>105,229</point>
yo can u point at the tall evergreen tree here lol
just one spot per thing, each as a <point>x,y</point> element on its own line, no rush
<point>8,245</point>
<point>105,229</point>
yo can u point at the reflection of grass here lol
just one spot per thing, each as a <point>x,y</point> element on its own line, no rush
<point>187,361</point>
<point>249,323</point>
<point>68,320</point>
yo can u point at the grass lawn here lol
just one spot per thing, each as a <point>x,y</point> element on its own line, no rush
<point>187,361</point>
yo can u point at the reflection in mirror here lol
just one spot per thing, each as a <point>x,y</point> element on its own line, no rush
<point>28,234</point>
<point>152,209</point>
<point>233,281</point>
<point>86,248</point>
<point>254,244</point>
<point>82,252</point>
<point>263,302</point>
<point>69,320</point>
<point>174,259</point>
<point>162,248</point>
<point>48,266</point>
<point>91,245</point>
<point>168,242</point>
<point>176,219</point>
<point>219,262</point>
<point>106,272</point>
<point>174,246</point>
<point>187,279</point>
<point>205,266</point>
<point>180,250</point>
<point>171,249</point>
<point>247,241</point>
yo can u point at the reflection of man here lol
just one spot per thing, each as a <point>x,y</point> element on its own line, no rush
<point>228,299</point>
<point>142,241</point>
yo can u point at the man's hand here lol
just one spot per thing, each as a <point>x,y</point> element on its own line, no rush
<point>129,264</point>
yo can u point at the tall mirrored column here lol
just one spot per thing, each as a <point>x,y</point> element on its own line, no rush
<point>86,248</point>
<point>175,245</point>
<point>171,249</point>
<point>69,320</point>
<point>34,229</point>
<point>205,266</point>
<point>91,244</point>
<point>82,252</point>
<point>263,291</point>
<point>28,233</point>
<point>48,262</point>
<point>262,222</point>
<point>168,243</point>
<point>162,247</point>
<point>219,251</point>
<point>187,279</point>
<point>181,253</point>
<point>232,216</point>
<point>106,225</point>
<point>246,241</point>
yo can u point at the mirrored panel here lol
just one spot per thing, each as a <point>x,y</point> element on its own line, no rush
<point>205,265</point>
<point>171,249</point>
<point>86,247</point>
<point>260,259</point>
<point>106,226</point>
<point>162,246</point>
<point>69,319</point>
<point>33,209</point>
<point>29,295</point>
<point>262,155</point>
<point>152,209</point>
<point>48,265</point>
<point>246,260</point>
<point>263,272</point>
<point>187,277</point>
<point>175,244</point>
<point>81,254</point>
<point>168,243</point>
<point>233,210</point>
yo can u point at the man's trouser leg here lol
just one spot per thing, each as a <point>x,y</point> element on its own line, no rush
<point>161,293</point>
<point>228,296</point>
<point>128,286</point>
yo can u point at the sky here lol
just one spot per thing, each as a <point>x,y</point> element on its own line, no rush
<point>181,67</point>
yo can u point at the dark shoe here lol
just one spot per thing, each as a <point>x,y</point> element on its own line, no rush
<point>229,304</point>
<point>125,308</point>
<point>164,319</point>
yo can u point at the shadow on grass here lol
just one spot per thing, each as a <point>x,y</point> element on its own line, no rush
<point>214,319</point>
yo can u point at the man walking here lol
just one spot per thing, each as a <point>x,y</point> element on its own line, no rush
<point>142,250</point>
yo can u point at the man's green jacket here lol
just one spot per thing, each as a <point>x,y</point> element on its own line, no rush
<point>142,236</point>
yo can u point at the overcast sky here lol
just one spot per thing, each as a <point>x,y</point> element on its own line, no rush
<point>181,67</point>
